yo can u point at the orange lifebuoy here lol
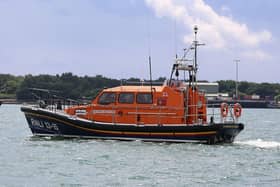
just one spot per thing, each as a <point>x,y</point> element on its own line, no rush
<point>224,109</point>
<point>237,109</point>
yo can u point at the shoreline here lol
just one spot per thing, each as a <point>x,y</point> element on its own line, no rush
<point>10,101</point>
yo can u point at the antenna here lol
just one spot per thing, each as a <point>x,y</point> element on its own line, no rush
<point>150,67</point>
<point>149,52</point>
<point>175,38</point>
<point>196,44</point>
<point>195,47</point>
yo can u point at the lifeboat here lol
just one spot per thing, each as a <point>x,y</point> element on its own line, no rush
<point>175,111</point>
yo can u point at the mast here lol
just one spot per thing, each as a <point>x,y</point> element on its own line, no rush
<point>195,49</point>
<point>150,67</point>
<point>196,44</point>
<point>194,83</point>
<point>149,52</point>
<point>194,78</point>
<point>182,63</point>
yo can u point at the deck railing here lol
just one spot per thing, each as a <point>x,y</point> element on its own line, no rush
<point>213,113</point>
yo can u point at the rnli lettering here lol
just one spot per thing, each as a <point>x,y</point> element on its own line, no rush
<point>50,126</point>
<point>36,123</point>
<point>44,124</point>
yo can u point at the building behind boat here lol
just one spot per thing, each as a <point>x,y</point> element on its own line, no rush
<point>215,98</point>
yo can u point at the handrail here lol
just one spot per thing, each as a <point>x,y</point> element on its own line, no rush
<point>160,111</point>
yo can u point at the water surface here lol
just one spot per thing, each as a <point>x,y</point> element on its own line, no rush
<point>253,159</point>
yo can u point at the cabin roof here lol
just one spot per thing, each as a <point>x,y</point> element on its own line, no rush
<point>134,89</point>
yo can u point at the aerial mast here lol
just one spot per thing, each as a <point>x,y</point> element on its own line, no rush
<point>196,44</point>
<point>195,48</point>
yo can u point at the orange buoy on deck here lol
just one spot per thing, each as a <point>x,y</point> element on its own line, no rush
<point>224,110</point>
<point>237,109</point>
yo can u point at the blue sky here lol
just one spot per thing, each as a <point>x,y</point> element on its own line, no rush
<point>113,38</point>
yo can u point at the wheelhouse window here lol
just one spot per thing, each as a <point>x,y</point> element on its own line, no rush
<point>107,98</point>
<point>144,98</point>
<point>127,98</point>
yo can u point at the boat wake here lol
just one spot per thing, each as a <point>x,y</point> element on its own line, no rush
<point>260,143</point>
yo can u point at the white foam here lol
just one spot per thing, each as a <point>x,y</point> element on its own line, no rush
<point>260,143</point>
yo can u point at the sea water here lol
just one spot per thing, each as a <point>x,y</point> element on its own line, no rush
<point>252,160</point>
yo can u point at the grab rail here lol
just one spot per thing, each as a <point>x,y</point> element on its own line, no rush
<point>213,113</point>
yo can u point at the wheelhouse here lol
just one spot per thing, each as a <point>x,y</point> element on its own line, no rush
<point>146,105</point>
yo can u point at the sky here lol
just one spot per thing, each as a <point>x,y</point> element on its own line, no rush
<point>114,38</point>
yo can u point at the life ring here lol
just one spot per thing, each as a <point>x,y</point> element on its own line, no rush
<point>224,110</point>
<point>237,109</point>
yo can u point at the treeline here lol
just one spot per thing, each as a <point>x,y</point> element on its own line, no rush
<point>76,87</point>
<point>66,85</point>
<point>9,85</point>
<point>264,90</point>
